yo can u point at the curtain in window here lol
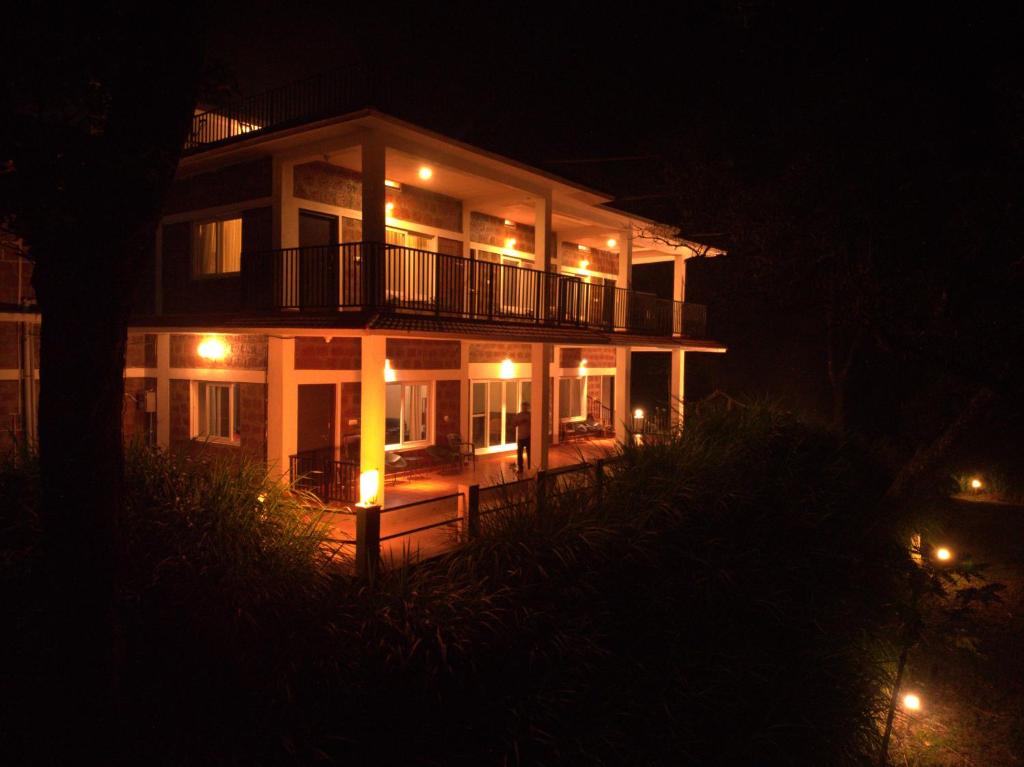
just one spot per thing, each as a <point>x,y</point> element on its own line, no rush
<point>231,245</point>
<point>204,260</point>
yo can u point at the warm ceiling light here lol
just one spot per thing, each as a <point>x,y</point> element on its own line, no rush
<point>392,184</point>
<point>509,222</point>
<point>582,247</point>
<point>508,370</point>
<point>943,554</point>
<point>510,242</point>
<point>389,374</point>
<point>584,264</point>
<point>911,702</point>
<point>212,349</point>
<point>425,172</point>
<point>612,242</point>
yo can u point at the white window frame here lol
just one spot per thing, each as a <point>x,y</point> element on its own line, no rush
<point>196,428</point>
<point>219,271</point>
<point>400,445</point>
<point>506,412</point>
<point>582,416</point>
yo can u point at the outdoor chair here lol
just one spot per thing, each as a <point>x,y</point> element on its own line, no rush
<point>443,457</point>
<point>463,450</point>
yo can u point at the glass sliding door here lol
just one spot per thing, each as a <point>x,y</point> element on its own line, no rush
<point>492,407</point>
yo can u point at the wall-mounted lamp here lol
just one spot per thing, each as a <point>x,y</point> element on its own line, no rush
<point>584,264</point>
<point>508,370</point>
<point>392,184</point>
<point>213,348</point>
<point>612,242</point>
<point>389,373</point>
<point>510,243</point>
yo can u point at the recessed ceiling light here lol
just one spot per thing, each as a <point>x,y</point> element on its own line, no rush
<point>392,184</point>
<point>426,173</point>
<point>612,242</point>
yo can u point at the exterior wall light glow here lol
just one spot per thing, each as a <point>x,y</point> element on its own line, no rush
<point>584,248</point>
<point>425,172</point>
<point>583,368</point>
<point>508,370</point>
<point>369,486</point>
<point>943,554</point>
<point>392,184</point>
<point>212,349</point>
<point>389,208</point>
<point>638,413</point>
<point>509,222</point>
<point>584,264</point>
<point>976,484</point>
<point>510,242</point>
<point>612,242</point>
<point>389,373</point>
<point>911,702</point>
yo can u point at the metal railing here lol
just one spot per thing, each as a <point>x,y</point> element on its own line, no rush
<point>323,95</point>
<point>408,280</point>
<point>330,479</point>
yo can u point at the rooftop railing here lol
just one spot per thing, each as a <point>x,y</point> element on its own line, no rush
<point>372,275</point>
<point>323,95</point>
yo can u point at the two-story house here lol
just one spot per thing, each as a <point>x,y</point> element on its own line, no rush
<point>351,288</point>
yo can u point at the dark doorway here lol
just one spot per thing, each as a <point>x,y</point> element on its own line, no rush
<point>316,417</point>
<point>318,260</point>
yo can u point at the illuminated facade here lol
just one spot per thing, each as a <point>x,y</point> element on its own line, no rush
<point>358,287</point>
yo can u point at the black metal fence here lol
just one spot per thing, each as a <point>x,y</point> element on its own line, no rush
<point>323,95</point>
<point>330,479</point>
<point>409,280</point>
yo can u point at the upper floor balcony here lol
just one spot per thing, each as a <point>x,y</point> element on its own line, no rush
<point>410,281</point>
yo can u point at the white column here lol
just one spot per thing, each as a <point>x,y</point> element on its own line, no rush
<point>373,409</point>
<point>623,399</point>
<point>625,258</point>
<point>542,232</point>
<point>464,393</point>
<point>282,405</point>
<point>679,278</point>
<point>540,389</point>
<point>676,398</point>
<point>556,398</point>
<point>163,390</point>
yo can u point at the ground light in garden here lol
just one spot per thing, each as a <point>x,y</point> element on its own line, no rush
<point>976,484</point>
<point>943,554</point>
<point>912,702</point>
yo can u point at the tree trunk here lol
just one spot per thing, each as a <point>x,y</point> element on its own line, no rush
<point>83,338</point>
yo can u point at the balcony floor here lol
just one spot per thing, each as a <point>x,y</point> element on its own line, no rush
<point>490,470</point>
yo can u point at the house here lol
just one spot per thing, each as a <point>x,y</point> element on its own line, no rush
<point>342,286</point>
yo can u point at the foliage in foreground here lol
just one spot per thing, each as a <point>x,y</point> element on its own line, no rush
<point>728,601</point>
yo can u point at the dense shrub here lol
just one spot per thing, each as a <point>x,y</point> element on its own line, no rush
<point>726,602</point>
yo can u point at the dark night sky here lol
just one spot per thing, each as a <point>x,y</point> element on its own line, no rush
<point>750,82</point>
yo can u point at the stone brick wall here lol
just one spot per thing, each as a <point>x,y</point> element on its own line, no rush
<point>179,413</point>
<point>498,351</point>
<point>10,414</point>
<point>604,261</point>
<point>10,345</point>
<point>446,410</point>
<point>419,354</point>
<point>334,185</point>
<point>489,230</point>
<point>134,419</point>
<point>141,350</point>
<point>596,356</point>
<point>246,353</point>
<point>351,402</point>
<point>351,229</point>
<point>11,266</point>
<point>449,247</point>
<point>337,354</point>
<point>236,183</point>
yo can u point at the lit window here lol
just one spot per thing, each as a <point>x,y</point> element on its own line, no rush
<point>217,247</point>
<point>215,411</point>
<point>570,397</point>
<point>407,414</point>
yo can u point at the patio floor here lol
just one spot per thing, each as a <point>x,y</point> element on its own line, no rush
<point>489,470</point>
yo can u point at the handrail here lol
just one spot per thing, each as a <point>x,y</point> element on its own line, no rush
<point>322,95</point>
<point>396,278</point>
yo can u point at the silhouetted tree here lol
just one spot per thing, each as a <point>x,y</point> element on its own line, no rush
<point>98,104</point>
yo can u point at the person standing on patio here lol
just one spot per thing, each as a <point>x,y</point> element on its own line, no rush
<point>521,422</point>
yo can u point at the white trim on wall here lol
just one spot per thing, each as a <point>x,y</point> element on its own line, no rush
<point>219,211</point>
